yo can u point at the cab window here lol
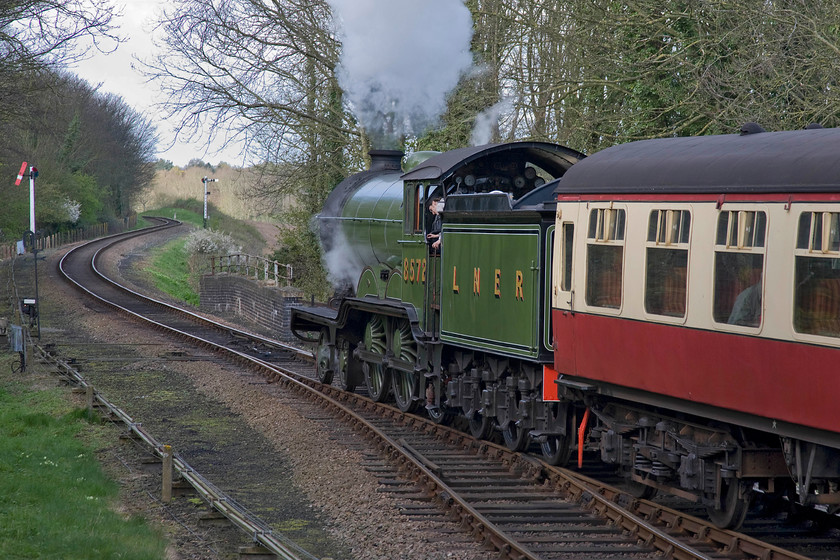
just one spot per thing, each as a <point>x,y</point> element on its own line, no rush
<point>413,221</point>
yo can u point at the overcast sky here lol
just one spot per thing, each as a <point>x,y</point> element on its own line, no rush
<point>116,74</point>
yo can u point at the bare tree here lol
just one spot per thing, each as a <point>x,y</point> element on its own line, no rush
<point>262,71</point>
<point>39,34</point>
<point>591,74</point>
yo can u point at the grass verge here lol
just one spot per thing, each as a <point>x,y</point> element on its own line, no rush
<point>169,267</point>
<point>170,271</point>
<point>55,501</point>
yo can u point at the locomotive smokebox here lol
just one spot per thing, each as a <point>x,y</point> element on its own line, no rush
<point>362,220</point>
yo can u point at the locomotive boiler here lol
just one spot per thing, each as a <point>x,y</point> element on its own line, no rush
<point>677,300</point>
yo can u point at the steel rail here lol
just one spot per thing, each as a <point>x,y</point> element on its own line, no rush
<point>410,461</point>
<point>282,547</point>
<point>235,513</point>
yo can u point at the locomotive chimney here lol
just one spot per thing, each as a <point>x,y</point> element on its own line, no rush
<point>386,160</point>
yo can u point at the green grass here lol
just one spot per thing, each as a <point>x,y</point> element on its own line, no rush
<point>170,271</point>
<point>186,215</point>
<point>169,266</point>
<point>55,501</point>
<point>191,211</point>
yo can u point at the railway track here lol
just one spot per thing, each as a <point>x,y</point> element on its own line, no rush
<point>510,502</point>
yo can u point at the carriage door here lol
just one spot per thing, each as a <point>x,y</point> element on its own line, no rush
<point>563,289</point>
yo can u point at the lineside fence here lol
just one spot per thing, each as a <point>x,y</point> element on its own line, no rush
<point>258,268</point>
<point>56,240</point>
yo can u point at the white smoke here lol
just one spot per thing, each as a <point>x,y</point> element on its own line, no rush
<point>487,122</point>
<point>340,260</point>
<point>399,60</point>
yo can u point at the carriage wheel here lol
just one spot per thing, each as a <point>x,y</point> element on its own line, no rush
<point>730,512</point>
<point>405,391</point>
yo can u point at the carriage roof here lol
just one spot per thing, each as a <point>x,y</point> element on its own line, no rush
<point>762,162</point>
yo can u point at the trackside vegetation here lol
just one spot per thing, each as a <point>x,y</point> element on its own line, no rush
<point>44,439</point>
<point>175,268</point>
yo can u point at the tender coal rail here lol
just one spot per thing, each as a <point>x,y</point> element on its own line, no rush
<point>511,502</point>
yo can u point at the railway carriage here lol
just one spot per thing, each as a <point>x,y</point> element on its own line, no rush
<point>676,300</point>
<point>696,279</point>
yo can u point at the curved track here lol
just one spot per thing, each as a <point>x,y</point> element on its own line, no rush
<point>512,502</point>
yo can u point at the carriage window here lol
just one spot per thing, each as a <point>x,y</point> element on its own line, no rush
<point>566,263</point>
<point>666,278</point>
<point>739,265</point>
<point>816,303</point>
<point>604,257</point>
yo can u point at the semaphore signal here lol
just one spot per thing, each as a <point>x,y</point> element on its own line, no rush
<point>20,174</point>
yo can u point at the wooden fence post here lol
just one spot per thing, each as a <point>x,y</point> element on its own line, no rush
<point>166,475</point>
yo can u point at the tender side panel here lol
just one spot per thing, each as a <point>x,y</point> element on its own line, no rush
<point>490,297</point>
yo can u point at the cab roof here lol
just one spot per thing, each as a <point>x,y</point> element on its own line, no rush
<point>553,158</point>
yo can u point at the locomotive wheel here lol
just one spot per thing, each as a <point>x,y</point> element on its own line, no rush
<point>377,381</point>
<point>732,507</point>
<point>405,390</point>
<point>404,383</point>
<point>342,349</point>
<point>323,365</point>
<point>516,438</point>
<point>480,426</point>
<point>556,450</point>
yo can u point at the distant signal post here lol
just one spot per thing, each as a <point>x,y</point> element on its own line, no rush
<point>31,235</point>
<point>204,181</point>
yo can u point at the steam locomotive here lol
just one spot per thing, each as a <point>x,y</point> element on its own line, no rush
<point>676,300</point>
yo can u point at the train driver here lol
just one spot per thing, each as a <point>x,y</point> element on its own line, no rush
<point>435,206</point>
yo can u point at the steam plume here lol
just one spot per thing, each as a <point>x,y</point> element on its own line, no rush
<point>487,122</point>
<point>399,60</point>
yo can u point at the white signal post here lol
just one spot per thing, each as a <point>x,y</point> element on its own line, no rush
<point>204,182</point>
<point>33,172</point>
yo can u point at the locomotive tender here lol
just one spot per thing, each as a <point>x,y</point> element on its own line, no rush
<point>678,298</point>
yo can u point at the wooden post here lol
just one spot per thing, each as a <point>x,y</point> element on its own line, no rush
<point>89,399</point>
<point>166,493</point>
